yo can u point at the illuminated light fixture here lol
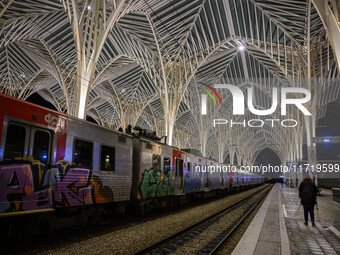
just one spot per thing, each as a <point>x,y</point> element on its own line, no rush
<point>89,7</point>
<point>241,47</point>
<point>326,140</point>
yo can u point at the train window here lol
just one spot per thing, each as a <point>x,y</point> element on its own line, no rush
<point>82,154</point>
<point>107,159</point>
<point>167,167</point>
<point>189,167</point>
<point>41,145</point>
<point>156,162</point>
<point>15,142</point>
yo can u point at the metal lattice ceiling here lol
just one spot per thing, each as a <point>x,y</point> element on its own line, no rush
<point>138,62</point>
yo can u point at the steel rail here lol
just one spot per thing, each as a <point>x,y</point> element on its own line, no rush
<point>221,243</point>
<point>164,240</point>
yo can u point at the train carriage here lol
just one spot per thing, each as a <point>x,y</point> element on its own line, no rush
<point>101,163</point>
<point>154,174</point>
<point>51,161</point>
<point>32,138</point>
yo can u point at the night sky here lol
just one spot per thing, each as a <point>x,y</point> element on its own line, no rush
<point>329,126</point>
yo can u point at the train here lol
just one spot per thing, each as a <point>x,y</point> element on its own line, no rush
<point>50,161</point>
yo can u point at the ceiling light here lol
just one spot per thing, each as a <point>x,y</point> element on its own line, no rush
<point>241,47</point>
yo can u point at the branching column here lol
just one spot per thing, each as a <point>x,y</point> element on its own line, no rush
<point>330,19</point>
<point>91,25</point>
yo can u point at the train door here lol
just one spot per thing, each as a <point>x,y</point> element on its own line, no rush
<point>179,173</point>
<point>16,142</point>
<point>206,167</point>
<point>40,144</point>
<point>230,175</point>
<point>25,143</point>
<point>40,150</point>
<point>179,164</point>
<point>200,174</point>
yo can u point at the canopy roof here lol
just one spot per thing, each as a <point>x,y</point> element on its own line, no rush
<point>141,62</point>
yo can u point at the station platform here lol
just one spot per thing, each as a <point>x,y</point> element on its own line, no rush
<point>278,227</point>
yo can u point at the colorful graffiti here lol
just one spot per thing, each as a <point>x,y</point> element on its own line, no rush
<point>156,184</point>
<point>76,186</point>
<point>22,188</point>
<point>29,186</point>
<point>214,183</point>
<point>191,185</point>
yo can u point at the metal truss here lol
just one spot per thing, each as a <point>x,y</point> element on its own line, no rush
<point>138,62</point>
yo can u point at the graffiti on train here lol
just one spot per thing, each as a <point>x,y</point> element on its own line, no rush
<point>76,186</point>
<point>191,184</point>
<point>156,184</point>
<point>23,187</point>
<point>29,186</point>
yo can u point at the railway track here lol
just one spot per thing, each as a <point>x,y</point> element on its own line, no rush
<point>208,235</point>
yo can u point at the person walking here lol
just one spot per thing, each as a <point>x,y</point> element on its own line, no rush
<point>307,194</point>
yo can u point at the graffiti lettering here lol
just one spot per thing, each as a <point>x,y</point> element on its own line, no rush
<point>78,186</point>
<point>156,184</point>
<point>17,192</point>
<point>25,187</point>
<point>191,185</point>
<point>56,122</point>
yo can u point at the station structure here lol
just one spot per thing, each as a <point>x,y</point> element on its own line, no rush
<point>153,64</point>
<point>139,62</point>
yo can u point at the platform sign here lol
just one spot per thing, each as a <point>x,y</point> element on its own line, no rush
<point>325,140</point>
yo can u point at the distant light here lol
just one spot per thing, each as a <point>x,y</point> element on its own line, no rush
<point>282,176</point>
<point>123,90</point>
<point>326,140</point>
<point>89,7</point>
<point>241,47</point>
<point>45,156</point>
<point>23,75</point>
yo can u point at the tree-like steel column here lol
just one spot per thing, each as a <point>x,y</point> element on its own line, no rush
<point>91,23</point>
<point>330,19</point>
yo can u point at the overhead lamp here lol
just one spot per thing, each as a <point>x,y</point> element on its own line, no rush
<point>89,7</point>
<point>326,140</point>
<point>241,47</point>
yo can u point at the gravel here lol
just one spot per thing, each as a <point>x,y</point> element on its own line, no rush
<point>213,232</point>
<point>133,235</point>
